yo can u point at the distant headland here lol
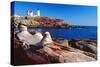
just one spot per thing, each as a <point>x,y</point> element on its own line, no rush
<point>35,20</point>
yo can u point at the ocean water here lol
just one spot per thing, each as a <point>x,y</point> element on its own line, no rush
<point>69,33</point>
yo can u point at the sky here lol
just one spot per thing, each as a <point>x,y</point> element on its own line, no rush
<point>72,14</point>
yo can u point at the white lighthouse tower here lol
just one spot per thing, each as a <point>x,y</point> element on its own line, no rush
<point>30,13</point>
<point>38,12</point>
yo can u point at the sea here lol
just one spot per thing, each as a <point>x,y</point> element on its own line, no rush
<point>87,32</point>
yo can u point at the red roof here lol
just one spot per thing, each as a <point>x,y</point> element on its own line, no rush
<point>30,11</point>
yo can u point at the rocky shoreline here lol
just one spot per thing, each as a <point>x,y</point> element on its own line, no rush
<point>43,49</point>
<point>61,51</point>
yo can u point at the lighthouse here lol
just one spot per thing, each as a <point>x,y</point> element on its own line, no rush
<point>30,13</point>
<point>38,12</point>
